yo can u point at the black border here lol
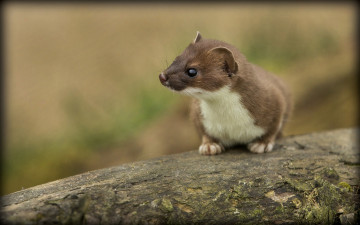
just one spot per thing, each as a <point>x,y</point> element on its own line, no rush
<point>138,2</point>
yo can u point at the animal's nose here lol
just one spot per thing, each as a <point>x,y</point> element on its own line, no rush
<point>163,78</point>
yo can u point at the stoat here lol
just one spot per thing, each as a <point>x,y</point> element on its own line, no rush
<point>235,102</point>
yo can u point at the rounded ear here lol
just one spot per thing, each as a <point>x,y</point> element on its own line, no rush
<point>198,37</point>
<point>227,56</point>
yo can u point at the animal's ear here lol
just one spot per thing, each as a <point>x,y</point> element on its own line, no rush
<point>198,37</point>
<point>225,53</point>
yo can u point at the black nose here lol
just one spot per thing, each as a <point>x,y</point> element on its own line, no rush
<point>163,78</point>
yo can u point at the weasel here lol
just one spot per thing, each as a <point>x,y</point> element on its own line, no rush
<point>235,102</point>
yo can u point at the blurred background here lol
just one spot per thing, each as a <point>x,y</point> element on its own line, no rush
<point>82,89</point>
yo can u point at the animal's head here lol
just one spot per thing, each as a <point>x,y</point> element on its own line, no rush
<point>205,65</point>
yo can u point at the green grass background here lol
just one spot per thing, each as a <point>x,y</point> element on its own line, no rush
<point>82,88</point>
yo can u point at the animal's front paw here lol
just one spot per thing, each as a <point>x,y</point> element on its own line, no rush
<point>258,147</point>
<point>210,148</point>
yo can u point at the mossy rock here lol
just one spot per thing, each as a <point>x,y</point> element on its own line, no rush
<point>305,180</point>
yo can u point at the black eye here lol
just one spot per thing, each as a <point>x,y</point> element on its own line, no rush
<point>191,72</point>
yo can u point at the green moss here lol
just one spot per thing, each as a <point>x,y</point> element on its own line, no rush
<point>297,203</point>
<point>241,215</point>
<point>256,213</point>
<point>166,205</point>
<point>249,215</point>
<point>279,209</point>
<point>330,173</point>
<point>240,192</point>
<point>321,203</point>
<point>299,185</point>
<point>345,185</point>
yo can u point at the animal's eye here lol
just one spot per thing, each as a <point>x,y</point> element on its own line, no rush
<point>191,72</point>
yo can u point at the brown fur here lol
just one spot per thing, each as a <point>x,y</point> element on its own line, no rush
<point>219,64</point>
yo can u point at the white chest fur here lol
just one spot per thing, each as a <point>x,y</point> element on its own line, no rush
<point>226,118</point>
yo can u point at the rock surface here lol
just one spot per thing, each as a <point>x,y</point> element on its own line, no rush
<point>312,178</point>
